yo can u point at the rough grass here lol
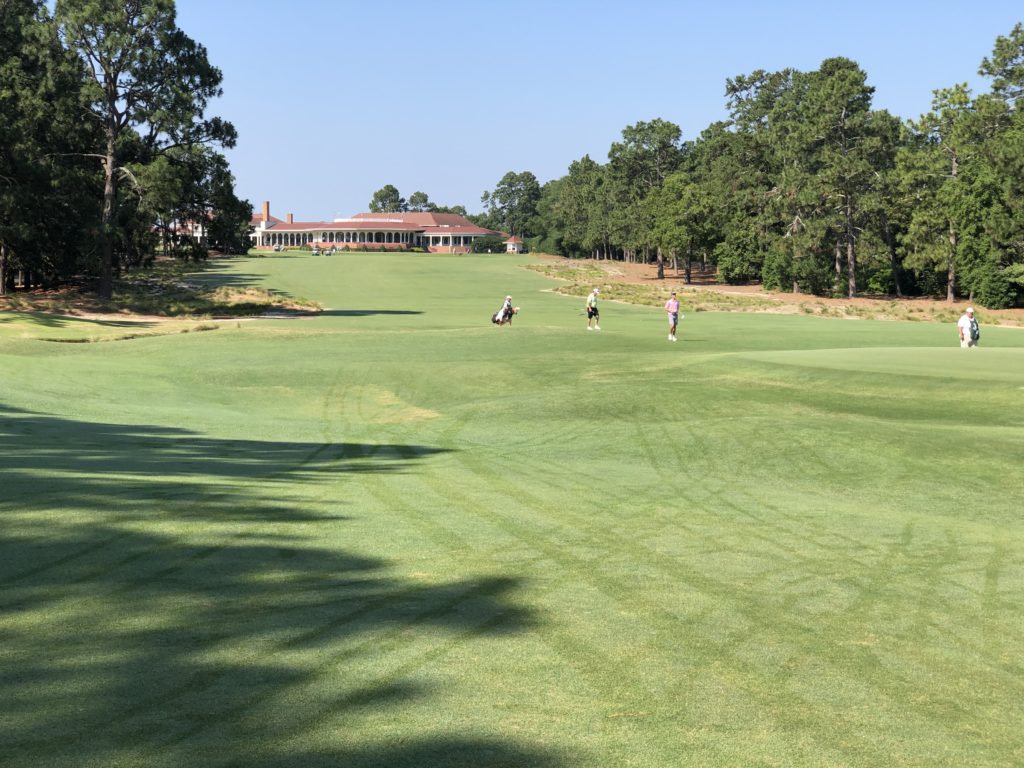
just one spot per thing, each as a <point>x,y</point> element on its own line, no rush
<point>582,277</point>
<point>690,299</point>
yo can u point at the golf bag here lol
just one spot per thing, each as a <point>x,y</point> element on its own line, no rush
<point>503,315</point>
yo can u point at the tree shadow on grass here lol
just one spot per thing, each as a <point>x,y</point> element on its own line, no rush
<point>367,312</point>
<point>222,272</point>
<point>48,460</point>
<point>303,313</point>
<point>46,442</point>
<point>52,320</point>
<point>138,627</point>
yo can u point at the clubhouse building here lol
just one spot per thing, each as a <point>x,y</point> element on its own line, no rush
<point>435,232</point>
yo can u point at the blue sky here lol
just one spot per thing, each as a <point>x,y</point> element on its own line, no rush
<point>333,100</point>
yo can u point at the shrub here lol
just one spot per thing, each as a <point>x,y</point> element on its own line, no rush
<point>994,290</point>
<point>736,265</point>
<point>776,273</point>
<point>489,244</point>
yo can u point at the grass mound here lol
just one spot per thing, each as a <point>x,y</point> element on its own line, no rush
<point>170,288</point>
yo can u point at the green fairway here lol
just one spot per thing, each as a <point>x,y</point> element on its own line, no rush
<point>396,535</point>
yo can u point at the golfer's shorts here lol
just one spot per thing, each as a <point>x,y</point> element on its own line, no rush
<point>673,318</point>
<point>592,312</point>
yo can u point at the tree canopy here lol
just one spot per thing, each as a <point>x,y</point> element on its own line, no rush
<point>808,187</point>
<point>105,131</point>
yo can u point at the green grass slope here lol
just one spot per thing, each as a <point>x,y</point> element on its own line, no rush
<point>396,535</point>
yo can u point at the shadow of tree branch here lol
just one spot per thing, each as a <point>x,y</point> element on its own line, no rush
<point>137,630</point>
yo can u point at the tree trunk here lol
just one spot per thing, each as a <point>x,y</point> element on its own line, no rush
<point>3,269</point>
<point>851,253</point>
<point>951,273</point>
<point>688,274</point>
<point>894,263</point>
<point>851,269</point>
<point>661,264</point>
<point>954,170</point>
<point>106,287</point>
<point>839,264</point>
<point>895,266</point>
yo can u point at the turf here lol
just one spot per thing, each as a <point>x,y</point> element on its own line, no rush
<point>395,535</point>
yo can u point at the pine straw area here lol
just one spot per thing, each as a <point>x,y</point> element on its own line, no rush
<point>639,284</point>
<point>167,289</point>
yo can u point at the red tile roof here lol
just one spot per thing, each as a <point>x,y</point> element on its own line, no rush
<point>351,224</point>
<point>434,223</point>
<point>424,218</point>
<point>468,229</point>
<point>427,223</point>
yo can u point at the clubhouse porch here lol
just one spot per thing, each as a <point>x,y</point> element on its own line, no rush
<point>435,232</point>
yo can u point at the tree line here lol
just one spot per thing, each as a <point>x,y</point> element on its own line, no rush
<point>806,187</point>
<point>106,153</point>
<point>388,199</point>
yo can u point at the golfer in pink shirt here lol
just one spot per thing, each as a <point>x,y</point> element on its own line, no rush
<point>672,307</point>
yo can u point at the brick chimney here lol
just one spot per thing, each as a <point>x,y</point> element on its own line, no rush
<point>266,210</point>
<point>290,221</point>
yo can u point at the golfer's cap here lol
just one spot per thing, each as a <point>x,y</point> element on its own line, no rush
<point>970,309</point>
<point>508,297</point>
<point>596,291</point>
<point>673,293</point>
